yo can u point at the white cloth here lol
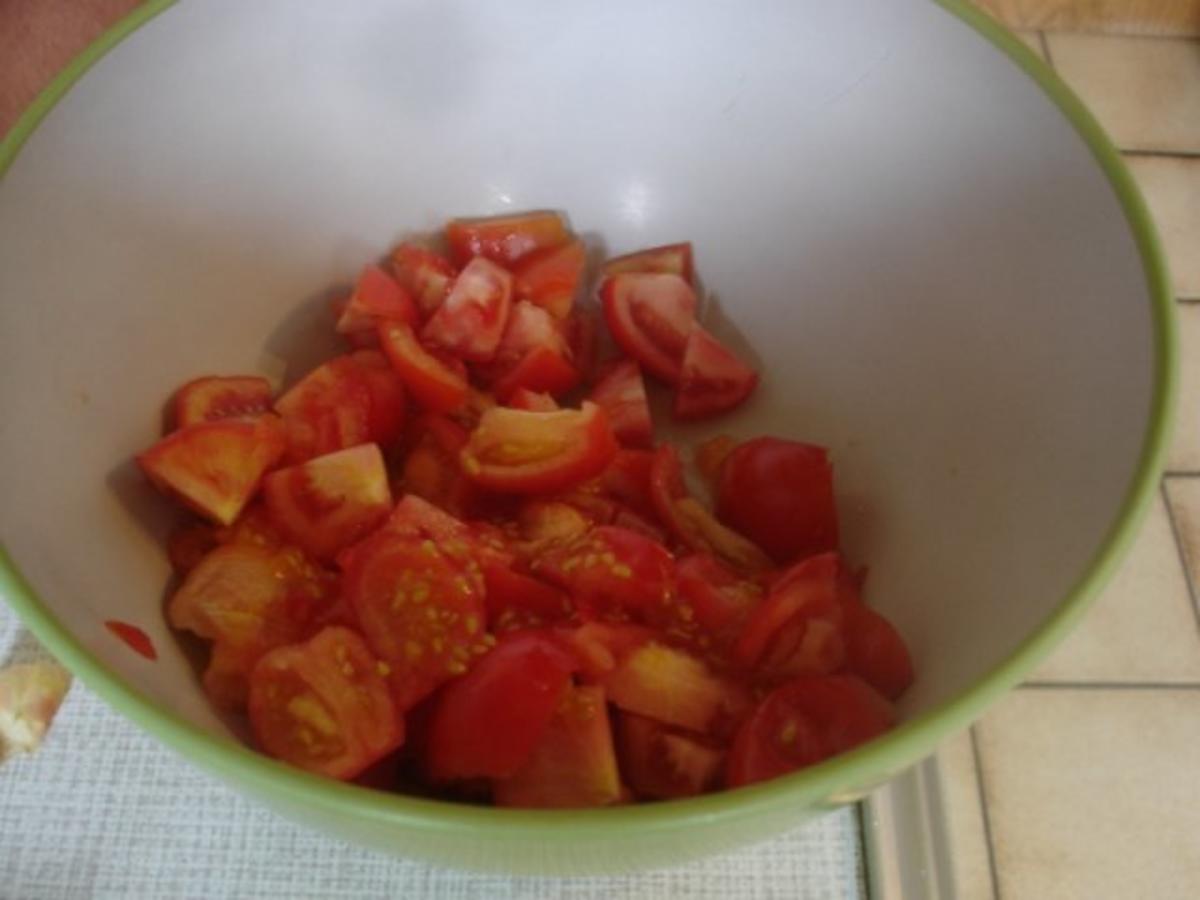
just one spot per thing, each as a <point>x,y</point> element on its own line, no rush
<point>138,822</point>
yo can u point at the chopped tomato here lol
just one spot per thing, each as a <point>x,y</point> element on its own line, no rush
<point>528,328</point>
<point>471,320</point>
<point>419,611</point>
<point>540,370</point>
<point>610,568</point>
<point>513,597</point>
<point>133,637</point>
<point>720,600</point>
<point>531,401</point>
<point>488,723</point>
<point>582,331</point>
<point>875,651</point>
<point>431,470</point>
<point>651,318</point>
<point>220,397</point>
<point>691,523</point>
<point>469,545</point>
<point>376,296</point>
<point>574,764</point>
<point>780,493</point>
<point>628,479</point>
<point>505,239</point>
<point>803,722</point>
<point>710,456</point>
<point>545,523</point>
<point>425,275</point>
<point>621,393</point>
<point>550,277</point>
<point>673,687</point>
<point>712,379</point>
<point>214,468</point>
<point>434,382</point>
<point>528,452</point>
<point>671,259</point>
<point>532,355</point>
<point>350,400</point>
<point>324,706</point>
<point>662,764</point>
<point>797,629</point>
<point>598,646</point>
<point>331,501</point>
<point>189,544</point>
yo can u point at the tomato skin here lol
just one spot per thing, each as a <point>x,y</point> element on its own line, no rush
<point>471,320</point>
<point>488,723</point>
<point>221,397</point>
<point>188,545</point>
<point>720,599</point>
<point>214,468</point>
<point>541,370</point>
<point>582,332</point>
<point>712,380</point>
<point>376,296</point>
<point>780,494</point>
<point>511,595</point>
<point>330,501</point>
<point>425,275</point>
<point>803,722</point>
<point>505,239</point>
<point>669,259</point>
<point>531,401</point>
<point>661,764</point>
<point>431,470</point>
<point>550,277</point>
<point>324,706</point>
<point>621,393</point>
<point>876,652</point>
<point>433,382</point>
<point>650,317</point>
<point>514,451</point>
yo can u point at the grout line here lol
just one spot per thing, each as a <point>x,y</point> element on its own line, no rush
<point>1045,45</point>
<point>1180,474</point>
<point>864,871</point>
<point>1110,686</point>
<point>1183,560</point>
<point>1187,301</point>
<point>993,869</point>
<point>1160,154</point>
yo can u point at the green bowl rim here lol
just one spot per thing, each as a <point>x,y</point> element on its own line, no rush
<point>822,784</point>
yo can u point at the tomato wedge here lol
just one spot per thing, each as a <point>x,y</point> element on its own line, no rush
<point>651,317</point>
<point>324,706</point>
<point>533,355</point>
<point>691,523</point>
<point>214,468</point>
<point>531,401</point>
<point>425,275</point>
<point>471,320</point>
<point>488,723</point>
<point>331,501</point>
<point>876,652</point>
<point>433,382</point>
<point>712,380</point>
<point>505,239</point>
<point>662,764</point>
<point>780,493</point>
<point>720,599</point>
<point>582,331</point>
<point>621,393</point>
<point>803,722</point>
<point>512,597</point>
<point>670,259</point>
<point>431,470</point>
<point>376,296</point>
<point>221,397</point>
<point>550,277</point>
<point>420,612</point>
<point>529,452</point>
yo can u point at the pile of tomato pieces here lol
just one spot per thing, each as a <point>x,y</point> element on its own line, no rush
<point>423,568</point>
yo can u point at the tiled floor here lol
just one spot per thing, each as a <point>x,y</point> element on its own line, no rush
<point>1084,782</point>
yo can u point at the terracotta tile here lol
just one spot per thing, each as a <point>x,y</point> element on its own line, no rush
<point>1171,186</point>
<point>964,813</point>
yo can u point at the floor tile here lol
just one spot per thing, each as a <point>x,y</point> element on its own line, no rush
<point>1184,496</point>
<point>964,814</point>
<point>1032,40</point>
<point>1171,186</point>
<point>1184,455</point>
<point>1144,91</point>
<point>1094,794</point>
<point>1142,628</point>
<point>1109,16</point>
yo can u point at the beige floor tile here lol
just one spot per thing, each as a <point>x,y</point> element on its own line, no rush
<point>1032,40</point>
<point>964,813</point>
<point>1142,627</point>
<point>1184,455</point>
<point>1184,495</point>
<point>1144,91</point>
<point>1094,794</point>
<point>1171,186</point>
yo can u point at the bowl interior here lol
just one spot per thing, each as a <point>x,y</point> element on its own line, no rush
<point>892,219</point>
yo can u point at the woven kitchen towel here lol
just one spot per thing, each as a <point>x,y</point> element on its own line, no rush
<point>138,822</point>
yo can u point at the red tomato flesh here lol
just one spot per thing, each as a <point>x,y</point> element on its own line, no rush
<point>376,296</point>
<point>661,764</point>
<point>550,277</point>
<point>670,259</point>
<point>471,320</point>
<point>651,318</point>
<point>221,397</point>
<point>531,401</point>
<point>712,380</point>
<point>425,275</point>
<point>621,393</point>
<point>434,382</point>
<point>505,239</point>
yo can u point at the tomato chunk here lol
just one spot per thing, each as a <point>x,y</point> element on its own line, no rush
<point>529,452</point>
<point>531,401</point>
<point>712,380</point>
<point>720,600</point>
<point>574,764</point>
<point>533,355</point>
<point>803,722</point>
<point>505,239</point>
<point>670,259</point>
<point>324,706</point>
<point>876,652</point>
<point>431,470</point>
<point>651,318</point>
<point>376,296</point>
<point>471,320</point>
<point>621,393</point>
<point>550,277</point>
<point>488,723</point>
<point>221,397</point>
<point>331,501</point>
<point>214,468</point>
<point>780,494</point>
<point>419,610</point>
<point>435,384</point>
<point>662,764</point>
<point>425,275</point>
<point>582,331</point>
<point>515,598</point>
